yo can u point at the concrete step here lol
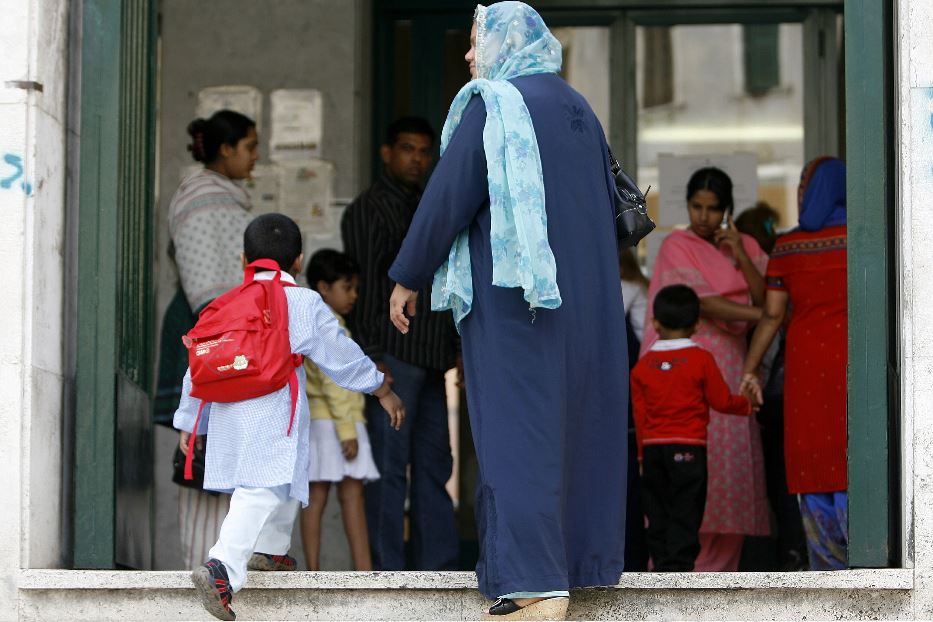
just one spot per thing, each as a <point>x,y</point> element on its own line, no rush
<point>135,595</point>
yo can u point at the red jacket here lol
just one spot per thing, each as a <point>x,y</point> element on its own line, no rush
<point>672,392</point>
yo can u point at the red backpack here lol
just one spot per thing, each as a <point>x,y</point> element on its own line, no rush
<point>239,348</point>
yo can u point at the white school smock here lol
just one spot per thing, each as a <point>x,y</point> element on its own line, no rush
<point>246,441</point>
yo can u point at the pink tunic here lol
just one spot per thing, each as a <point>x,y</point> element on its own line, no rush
<point>736,498</point>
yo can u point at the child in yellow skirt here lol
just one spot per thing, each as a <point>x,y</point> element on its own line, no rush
<point>340,450</point>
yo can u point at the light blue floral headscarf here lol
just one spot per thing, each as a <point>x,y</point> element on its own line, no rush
<point>511,41</point>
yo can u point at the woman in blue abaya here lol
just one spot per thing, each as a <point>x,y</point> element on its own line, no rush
<point>516,227</point>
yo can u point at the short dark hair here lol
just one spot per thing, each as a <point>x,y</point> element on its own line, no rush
<point>330,266</point>
<point>225,127</point>
<point>676,307</point>
<point>412,125</point>
<point>272,236</point>
<point>716,181</point>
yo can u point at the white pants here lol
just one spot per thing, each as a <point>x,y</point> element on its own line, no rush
<point>261,520</point>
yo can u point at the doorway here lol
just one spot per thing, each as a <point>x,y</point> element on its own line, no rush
<point>115,325</point>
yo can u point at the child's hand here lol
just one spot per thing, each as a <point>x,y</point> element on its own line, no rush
<point>350,448</point>
<point>185,437</point>
<point>392,404</point>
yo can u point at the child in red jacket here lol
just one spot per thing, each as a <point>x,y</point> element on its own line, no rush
<point>673,387</point>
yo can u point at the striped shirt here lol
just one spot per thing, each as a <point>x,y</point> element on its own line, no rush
<point>373,229</point>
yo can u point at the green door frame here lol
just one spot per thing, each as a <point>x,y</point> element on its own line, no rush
<point>95,408</point>
<point>114,238</point>
<point>874,359</point>
<point>873,377</point>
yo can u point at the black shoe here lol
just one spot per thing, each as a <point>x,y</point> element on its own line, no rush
<point>213,585</point>
<point>551,608</point>
<point>503,607</point>
<point>267,562</point>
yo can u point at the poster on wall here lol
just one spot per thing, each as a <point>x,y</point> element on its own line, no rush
<point>305,195</point>
<point>243,99</point>
<point>297,118</point>
<point>674,173</point>
<point>263,188</point>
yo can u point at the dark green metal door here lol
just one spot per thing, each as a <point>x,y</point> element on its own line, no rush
<point>113,444</point>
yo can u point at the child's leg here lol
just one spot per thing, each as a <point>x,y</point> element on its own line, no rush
<point>654,500</point>
<point>275,537</point>
<point>687,476</point>
<point>350,493</point>
<point>311,524</point>
<point>250,510</point>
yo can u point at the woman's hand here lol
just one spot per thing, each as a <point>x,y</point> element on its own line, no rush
<point>731,237</point>
<point>185,437</point>
<point>402,300</point>
<point>751,388</point>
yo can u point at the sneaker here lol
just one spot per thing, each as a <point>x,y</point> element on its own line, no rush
<point>264,561</point>
<point>213,585</point>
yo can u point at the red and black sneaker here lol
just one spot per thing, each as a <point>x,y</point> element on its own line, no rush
<point>213,584</point>
<point>264,561</point>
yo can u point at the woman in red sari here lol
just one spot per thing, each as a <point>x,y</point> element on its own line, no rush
<point>808,274</point>
<point>726,269</point>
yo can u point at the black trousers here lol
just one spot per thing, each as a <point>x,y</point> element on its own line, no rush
<point>674,493</point>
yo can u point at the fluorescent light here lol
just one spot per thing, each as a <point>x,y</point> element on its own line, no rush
<point>721,134</point>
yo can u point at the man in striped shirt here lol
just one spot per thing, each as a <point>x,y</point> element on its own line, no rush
<point>373,228</point>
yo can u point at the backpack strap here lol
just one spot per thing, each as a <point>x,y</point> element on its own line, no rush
<point>189,458</point>
<point>293,389</point>
<point>267,264</point>
<point>297,361</point>
<point>248,274</point>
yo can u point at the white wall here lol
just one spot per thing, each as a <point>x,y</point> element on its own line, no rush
<point>915,189</point>
<point>33,39</point>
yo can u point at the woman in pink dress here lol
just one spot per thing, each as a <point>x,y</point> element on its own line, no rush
<point>726,269</point>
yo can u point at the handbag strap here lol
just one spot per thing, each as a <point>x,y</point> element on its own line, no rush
<point>614,165</point>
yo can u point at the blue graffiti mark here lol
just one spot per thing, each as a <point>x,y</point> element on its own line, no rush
<point>7,182</point>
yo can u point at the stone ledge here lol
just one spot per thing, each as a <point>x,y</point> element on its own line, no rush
<point>883,579</point>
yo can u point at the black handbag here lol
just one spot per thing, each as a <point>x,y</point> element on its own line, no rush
<point>197,468</point>
<point>632,221</point>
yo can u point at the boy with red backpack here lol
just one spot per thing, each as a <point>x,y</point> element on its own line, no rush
<point>242,390</point>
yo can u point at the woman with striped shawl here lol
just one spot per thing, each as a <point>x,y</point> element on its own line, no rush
<point>207,217</point>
